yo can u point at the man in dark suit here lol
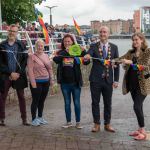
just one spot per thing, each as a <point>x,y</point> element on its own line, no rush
<point>103,78</point>
<point>12,72</point>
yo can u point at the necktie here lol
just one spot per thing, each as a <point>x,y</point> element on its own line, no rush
<point>104,52</point>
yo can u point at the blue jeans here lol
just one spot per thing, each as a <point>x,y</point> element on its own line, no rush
<point>67,90</point>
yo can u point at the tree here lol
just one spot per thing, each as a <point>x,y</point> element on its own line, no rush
<point>142,30</point>
<point>148,31</point>
<point>18,10</point>
<point>94,31</point>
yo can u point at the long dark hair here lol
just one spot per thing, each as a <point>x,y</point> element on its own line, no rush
<point>67,36</point>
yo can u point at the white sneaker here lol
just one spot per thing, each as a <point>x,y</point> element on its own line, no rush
<point>78,125</point>
<point>68,125</point>
<point>42,120</point>
<point>35,122</point>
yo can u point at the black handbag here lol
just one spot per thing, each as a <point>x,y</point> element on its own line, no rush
<point>20,83</point>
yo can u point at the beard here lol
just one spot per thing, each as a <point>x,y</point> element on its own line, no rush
<point>11,37</point>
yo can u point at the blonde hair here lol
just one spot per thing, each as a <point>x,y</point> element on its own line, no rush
<point>38,41</point>
<point>142,37</point>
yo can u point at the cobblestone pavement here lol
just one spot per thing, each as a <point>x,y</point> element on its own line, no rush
<point>52,137</point>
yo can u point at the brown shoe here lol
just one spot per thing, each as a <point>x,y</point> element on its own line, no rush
<point>109,128</point>
<point>25,123</point>
<point>2,123</point>
<point>96,128</point>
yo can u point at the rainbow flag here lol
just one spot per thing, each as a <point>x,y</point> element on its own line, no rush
<point>137,67</point>
<point>77,27</point>
<point>45,32</point>
<point>79,60</point>
<point>107,62</point>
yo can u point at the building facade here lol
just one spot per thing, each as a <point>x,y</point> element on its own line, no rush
<point>136,21</point>
<point>95,26</point>
<point>145,19</point>
<point>141,19</point>
<point>118,26</point>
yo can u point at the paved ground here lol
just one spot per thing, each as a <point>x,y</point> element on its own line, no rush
<point>52,137</point>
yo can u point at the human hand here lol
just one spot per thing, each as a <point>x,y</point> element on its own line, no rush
<point>113,64</point>
<point>54,53</point>
<point>14,76</point>
<point>82,48</point>
<point>115,84</point>
<point>126,61</point>
<point>87,56</point>
<point>33,85</point>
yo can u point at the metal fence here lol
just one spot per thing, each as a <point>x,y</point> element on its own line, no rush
<point>29,37</point>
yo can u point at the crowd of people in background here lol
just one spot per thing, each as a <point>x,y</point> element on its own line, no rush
<point>34,27</point>
<point>35,32</point>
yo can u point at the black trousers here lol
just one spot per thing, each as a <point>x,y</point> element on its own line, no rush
<point>21,98</point>
<point>38,98</point>
<point>138,100</point>
<point>106,90</point>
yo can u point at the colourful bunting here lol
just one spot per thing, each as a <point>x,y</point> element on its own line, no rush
<point>79,60</point>
<point>137,67</point>
<point>105,62</point>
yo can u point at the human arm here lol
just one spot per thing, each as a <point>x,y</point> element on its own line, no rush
<point>89,53</point>
<point>30,66</point>
<point>116,69</point>
<point>57,58</point>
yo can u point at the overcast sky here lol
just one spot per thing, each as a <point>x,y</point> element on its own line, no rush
<point>86,10</point>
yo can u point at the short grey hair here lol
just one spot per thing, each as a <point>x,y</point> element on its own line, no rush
<point>13,25</point>
<point>104,27</point>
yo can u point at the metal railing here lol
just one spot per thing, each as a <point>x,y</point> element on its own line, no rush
<point>29,37</point>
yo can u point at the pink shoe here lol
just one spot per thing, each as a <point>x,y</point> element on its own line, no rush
<point>135,133</point>
<point>140,137</point>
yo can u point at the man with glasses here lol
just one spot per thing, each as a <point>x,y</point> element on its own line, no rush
<point>12,72</point>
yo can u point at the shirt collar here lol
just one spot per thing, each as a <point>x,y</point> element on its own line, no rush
<point>102,44</point>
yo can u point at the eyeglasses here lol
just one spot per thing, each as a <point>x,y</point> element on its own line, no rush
<point>12,31</point>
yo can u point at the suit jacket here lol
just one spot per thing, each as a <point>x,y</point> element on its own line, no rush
<point>22,61</point>
<point>144,82</point>
<point>98,67</point>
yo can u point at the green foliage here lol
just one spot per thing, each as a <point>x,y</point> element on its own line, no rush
<point>18,10</point>
<point>148,31</point>
<point>94,31</point>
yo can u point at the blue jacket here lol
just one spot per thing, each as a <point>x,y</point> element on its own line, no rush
<point>21,68</point>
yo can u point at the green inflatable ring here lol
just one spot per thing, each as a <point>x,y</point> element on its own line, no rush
<point>75,50</point>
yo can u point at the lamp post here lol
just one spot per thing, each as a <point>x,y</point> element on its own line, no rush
<point>50,8</point>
